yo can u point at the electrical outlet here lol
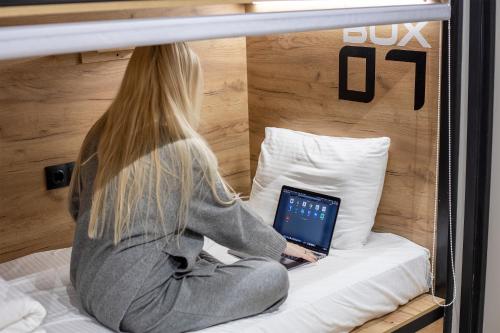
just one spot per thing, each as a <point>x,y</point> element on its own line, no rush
<point>57,176</point>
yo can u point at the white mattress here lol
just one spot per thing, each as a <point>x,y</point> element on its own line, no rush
<point>340,292</point>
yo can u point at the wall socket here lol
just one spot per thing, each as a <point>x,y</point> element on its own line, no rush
<point>57,176</point>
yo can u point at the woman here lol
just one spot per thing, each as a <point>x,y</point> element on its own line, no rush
<point>145,191</point>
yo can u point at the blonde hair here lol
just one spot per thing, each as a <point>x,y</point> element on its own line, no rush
<point>156,109</point>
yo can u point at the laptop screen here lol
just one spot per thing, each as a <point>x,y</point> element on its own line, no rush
<point>306,218</point>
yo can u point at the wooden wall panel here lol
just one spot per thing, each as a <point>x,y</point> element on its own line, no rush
<point>294,83</point>
<point>47,106</point>
<point>77,12</point>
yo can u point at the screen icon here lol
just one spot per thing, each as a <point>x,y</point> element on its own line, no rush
<point>292,200</point>
<point>317,207</point>
<point>304,203</point>
<point>323,209</point>
<point>322,216</point>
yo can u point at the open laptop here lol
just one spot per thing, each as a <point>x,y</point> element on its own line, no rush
<point>307,219</point>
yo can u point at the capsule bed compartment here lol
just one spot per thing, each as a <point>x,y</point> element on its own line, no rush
<point>289,81</point>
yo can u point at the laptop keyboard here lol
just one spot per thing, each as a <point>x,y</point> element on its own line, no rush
<point>292,257</point>
<point>318,256</point>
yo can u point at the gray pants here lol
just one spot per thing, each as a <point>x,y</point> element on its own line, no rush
<point>195,301</point>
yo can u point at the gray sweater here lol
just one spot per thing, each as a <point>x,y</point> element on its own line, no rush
<point>109,278</point>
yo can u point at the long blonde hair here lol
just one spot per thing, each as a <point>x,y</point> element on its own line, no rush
<point>157,106</point>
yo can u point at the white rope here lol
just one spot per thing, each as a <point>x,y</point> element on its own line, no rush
<point>436,189</point>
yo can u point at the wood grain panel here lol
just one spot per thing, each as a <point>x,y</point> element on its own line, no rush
<point>64,13</point>
<point>47,106</point>
<point>294,83</point>
<point>405,314</point>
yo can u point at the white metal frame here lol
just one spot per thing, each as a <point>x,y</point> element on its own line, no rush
<point>60,38</point>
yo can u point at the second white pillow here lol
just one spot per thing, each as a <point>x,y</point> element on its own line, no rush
<point>349,168</point>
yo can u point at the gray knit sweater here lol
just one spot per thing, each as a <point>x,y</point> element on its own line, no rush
<point>108,277</point>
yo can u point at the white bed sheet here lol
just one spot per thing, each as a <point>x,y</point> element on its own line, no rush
<point>340,292</point>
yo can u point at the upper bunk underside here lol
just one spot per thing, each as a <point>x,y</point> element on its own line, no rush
<point>28,31</point>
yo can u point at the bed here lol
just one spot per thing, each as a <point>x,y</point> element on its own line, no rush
<point>341,292</point>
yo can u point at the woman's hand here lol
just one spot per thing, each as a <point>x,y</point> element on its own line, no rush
<point>295,250</point>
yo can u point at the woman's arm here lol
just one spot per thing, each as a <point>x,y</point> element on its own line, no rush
<point>238,227</point>
<point>235,226</point>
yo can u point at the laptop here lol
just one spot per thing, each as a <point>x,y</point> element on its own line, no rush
<point>307,219</point>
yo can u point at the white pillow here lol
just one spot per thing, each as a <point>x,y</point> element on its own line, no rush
<point>348,168</point>
<point>18,311</point>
